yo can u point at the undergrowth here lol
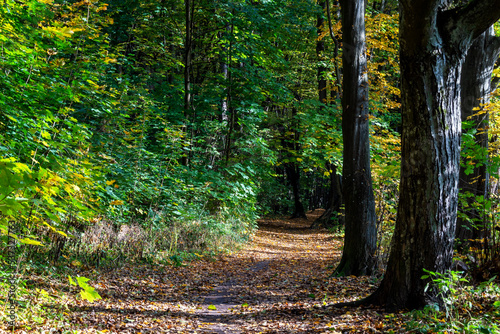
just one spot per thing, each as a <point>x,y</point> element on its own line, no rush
<point>37,294</point>
<point>465,308</point>
<point>105,244</point>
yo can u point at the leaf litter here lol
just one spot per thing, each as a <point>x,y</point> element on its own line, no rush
<point>279,283</point>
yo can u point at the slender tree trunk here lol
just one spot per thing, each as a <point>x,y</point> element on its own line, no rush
<point>476,90</point>
<point>227,119</point>
<point>334,196</point>
<point>187,68</point>
<point>433,44</point>
<point>320,48</point>
<point>334,201</point>
<point>335,93</point>
<point>293,175</point>
<point>379,5</point>
<point>360,220</point>
<point>291,168</point>
<point>225,75</point>
<point>188,56</point>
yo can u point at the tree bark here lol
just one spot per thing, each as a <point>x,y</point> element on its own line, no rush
<point>476,88</point>
<point>433,45</point>
<point>360,219</point>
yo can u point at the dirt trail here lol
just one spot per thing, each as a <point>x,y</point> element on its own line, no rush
<point>278,246</point>
<point>276,284</point>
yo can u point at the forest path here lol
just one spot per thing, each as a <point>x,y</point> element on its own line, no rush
<point>284,257</point>
<point>276,284</point>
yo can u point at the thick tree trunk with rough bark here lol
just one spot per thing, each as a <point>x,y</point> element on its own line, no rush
<point>433,45</point>
<point>476,90</point>
<point>360,219</point>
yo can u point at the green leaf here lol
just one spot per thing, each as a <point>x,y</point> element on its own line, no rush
<point>212,307</point>
<point>82,282</point>
<point>90,295</point>
<point>71,281</point>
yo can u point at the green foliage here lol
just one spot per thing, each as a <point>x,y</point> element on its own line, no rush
<point>461,304</point>
<point>45,166</point>
<point>478,211</point>
<point>447,286</point>
<point>33,305</point>
<point>87,292</point>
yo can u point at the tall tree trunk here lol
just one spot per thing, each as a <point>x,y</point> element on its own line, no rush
<point>360,240</point>
<point>433,44</point>
<point>292,170</point>
<point>293,175</point>
<point>320,48</point>
<point>476,90</point>
<point>227,120</point>
<point>187,68</point>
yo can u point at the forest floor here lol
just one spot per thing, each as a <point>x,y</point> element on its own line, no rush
<point>278,283</point>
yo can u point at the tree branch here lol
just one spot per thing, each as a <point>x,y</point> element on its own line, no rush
<point>471,19</point>
<point>336,52</point>
<point>480,15</point>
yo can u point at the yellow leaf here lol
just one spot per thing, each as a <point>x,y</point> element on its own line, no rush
<point>110,182</point>
<point>116,202</point>
<point>30,242</point>
<point>45,134</point>
<point>76,263</point>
